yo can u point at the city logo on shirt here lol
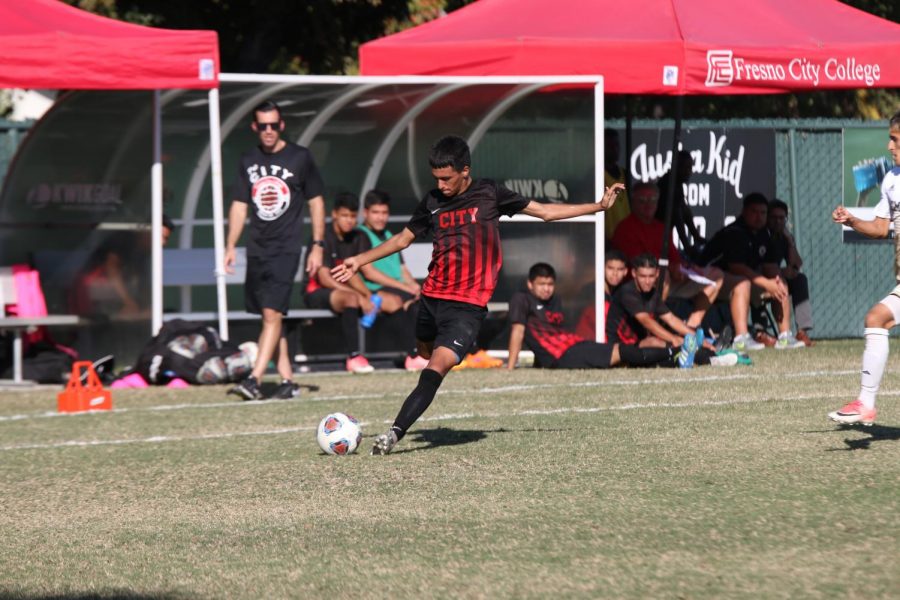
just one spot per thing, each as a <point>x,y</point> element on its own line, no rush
<point>461,216</point>
<point>554,317</point>
<point>271,196</point>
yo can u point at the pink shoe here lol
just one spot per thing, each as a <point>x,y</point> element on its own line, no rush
<point>178,383</point>
<point>130,381</point>
<point>853,413</point>
<point>359,364</point>
<point>415,363</point>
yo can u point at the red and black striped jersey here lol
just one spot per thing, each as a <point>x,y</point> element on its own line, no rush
<point>545,333</point>
<point>466,257</point>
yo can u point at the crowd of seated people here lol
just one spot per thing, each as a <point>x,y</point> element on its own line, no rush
<point>751,265</point>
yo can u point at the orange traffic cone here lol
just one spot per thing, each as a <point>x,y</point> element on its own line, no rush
<point>78,396</point>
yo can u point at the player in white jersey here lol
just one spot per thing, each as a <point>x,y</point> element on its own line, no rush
<point>886,313</point>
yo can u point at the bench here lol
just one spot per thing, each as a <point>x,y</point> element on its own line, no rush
<point>18,325</point>
<point>187,267</point>
<point>195,266</point>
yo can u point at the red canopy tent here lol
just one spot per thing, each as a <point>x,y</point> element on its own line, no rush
<point>653,46</point>
<point>665,47</point>
<point>48,44</point>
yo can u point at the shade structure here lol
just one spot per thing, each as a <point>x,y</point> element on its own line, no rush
<point>48,44</point>
<point>666,47</point>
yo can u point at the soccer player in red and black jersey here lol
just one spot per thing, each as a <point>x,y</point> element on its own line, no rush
<point>463,215</point>
<point>536,318</point>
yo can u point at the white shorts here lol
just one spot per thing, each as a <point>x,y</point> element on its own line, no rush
<point>892,301</point>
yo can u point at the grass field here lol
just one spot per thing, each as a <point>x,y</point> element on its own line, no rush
<point>709,483</point>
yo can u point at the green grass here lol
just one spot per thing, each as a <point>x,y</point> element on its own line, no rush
<point>708,483</point>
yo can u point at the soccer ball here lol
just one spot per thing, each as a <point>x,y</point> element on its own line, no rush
<point>339,434</point>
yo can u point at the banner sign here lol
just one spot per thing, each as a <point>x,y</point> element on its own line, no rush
<point>865,164</point>
<point>727,164</point>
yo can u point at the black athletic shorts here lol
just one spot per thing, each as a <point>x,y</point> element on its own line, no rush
<point>448,323</point>
<point>586,355</point>
<point>403,294</point>
<point>319,298</point>
<point>269,282</point>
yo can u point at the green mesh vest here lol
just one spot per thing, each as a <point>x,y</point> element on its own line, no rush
<point>389,265</point>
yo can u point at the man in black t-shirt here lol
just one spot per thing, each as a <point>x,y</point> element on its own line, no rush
<point>656,325</point>
<point>647,314</point>
<point>784,250</point>
<point>615,270</point>
<point>463,216</point>
<point>348,299</point>
<point>277,178</point>
<point>743,250</point>
<point>536,318</point>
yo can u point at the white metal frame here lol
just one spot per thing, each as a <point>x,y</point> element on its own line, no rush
<point>283,81</point>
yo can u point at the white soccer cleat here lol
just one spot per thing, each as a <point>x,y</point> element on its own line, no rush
<point>384,443</point>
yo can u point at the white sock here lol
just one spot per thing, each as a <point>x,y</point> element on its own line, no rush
<point>874,359</point>
<point>784,334</point>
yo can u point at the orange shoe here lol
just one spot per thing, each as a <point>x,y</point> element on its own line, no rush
<point>853,413</point>
<point>482,360</point>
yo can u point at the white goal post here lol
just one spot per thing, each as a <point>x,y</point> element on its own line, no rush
<point>270,85</point>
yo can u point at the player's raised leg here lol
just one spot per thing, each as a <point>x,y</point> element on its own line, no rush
<point>879,320</point>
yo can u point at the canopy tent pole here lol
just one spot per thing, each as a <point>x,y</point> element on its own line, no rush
<point>670,191</point>
<point>600,217</point>
<point>156,200</point>
<point>629,141</point>
<point>215,172</point>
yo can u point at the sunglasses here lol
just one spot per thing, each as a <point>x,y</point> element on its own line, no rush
<point>264,126</point>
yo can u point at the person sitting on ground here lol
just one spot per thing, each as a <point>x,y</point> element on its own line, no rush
<point>653,322</point>
<point>641,232</point>
<point>785,252</point>
<point>617,330</point>
<point>389,276</point>
<point>536,318</point>
<point>348,300</point>
<point>742,250</point>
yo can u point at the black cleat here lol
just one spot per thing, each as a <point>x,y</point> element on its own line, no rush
<point>248,389</point>
<point>285,391</point>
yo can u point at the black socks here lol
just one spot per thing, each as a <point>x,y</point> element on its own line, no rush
<point>417,402</point>
<point>633,356</point>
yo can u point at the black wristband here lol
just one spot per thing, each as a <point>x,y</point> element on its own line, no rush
<point>319,243</point>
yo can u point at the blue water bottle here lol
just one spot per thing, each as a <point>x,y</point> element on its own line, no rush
<point>368,319</point>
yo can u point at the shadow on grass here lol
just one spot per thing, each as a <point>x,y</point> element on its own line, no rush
<point>445,436</point>
<point>104,595</point>
<point>877,433</point>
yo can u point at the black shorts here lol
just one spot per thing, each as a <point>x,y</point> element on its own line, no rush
<point>402,294</point>
<point>453,325</point>
<point>319,298</point>
<point>269,282</point>
<point>586,355</point>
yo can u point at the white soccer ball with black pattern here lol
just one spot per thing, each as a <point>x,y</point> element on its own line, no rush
<point>339,433</point>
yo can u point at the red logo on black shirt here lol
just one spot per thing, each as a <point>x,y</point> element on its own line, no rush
<point>554,317</point>
<point>452,218</point>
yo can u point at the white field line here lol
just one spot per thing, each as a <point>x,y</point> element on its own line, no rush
<point>159,439</point>
<point>484,390</point>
